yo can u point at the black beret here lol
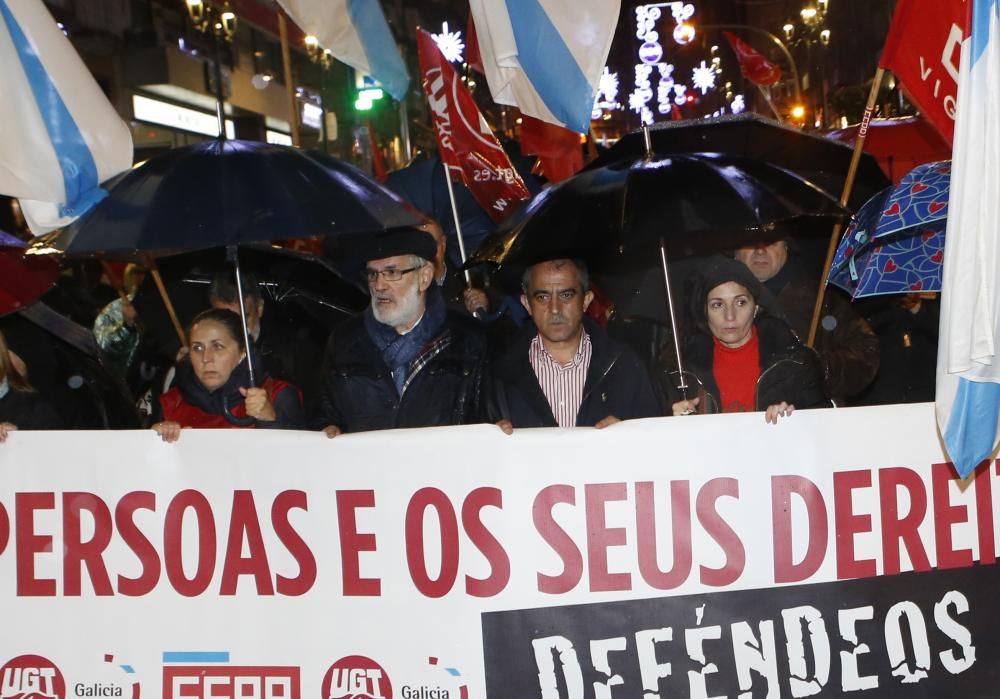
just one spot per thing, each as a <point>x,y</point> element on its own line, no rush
<point>393,242</point>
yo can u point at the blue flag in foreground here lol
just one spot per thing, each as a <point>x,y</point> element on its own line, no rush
<point>61,135</point>
<point>356,33</point>
<point>546,57</point>
<point>968,378</point>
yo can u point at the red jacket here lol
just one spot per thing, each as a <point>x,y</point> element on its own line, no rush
<point>176,409</point>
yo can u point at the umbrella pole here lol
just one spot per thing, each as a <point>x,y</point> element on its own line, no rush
<point>673,319</point>
<point>233,254</point>
<point>458,225</point>
<point>155,271</point>
<point>852,171</point>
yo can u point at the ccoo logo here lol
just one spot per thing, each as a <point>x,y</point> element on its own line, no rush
<point>355,677</point>
<point>31,677</point>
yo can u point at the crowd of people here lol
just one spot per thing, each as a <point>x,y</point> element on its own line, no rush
<point>415,357</point>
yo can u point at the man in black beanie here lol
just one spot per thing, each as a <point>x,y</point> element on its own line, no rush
<point>406,361</point>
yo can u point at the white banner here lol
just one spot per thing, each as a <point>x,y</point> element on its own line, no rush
<point>396,564</point>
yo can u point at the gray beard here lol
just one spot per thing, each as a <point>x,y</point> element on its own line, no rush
<point>405,311</point>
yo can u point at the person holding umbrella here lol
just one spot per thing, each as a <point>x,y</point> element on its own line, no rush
<point>213,390</point>
<point>741,357</point>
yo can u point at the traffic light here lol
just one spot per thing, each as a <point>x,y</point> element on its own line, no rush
<point>367,98</point>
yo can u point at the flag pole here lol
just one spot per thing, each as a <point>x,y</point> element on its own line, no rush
<point>770,104</point>
<point>845,194</point>
<point>286,60</point>
<point>458,224</point>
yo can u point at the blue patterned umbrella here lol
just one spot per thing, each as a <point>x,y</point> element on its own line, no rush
<point>895,243</point>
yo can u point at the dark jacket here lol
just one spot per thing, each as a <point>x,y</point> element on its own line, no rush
<point>29,411</point>
<point>848,348</point>
<point>617,384</point>
<point>789,371</point>
<point>358,393</point>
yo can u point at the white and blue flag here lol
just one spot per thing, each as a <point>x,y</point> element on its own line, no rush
<point>356,33</point>
<point>61,136</point>
<point>968,376</point>
<point>546,57</point>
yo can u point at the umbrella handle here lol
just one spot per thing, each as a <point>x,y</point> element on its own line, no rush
<point>232,419</point>
<point>232,253</point>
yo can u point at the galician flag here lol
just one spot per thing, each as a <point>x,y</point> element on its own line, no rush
<point>61,136</point>
<point>546,57</point>
<point>356,33</point>
<point>968,375</point>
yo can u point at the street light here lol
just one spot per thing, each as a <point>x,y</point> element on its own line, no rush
<point>811,30</point>
<point>220,22</point>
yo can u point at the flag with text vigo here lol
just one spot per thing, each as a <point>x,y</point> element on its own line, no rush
<point>968,375</point>
<point>922,49</point>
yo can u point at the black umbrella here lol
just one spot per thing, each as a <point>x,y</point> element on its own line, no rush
<point>637,209</point>
<point>691,202</point>
<point>225,193</point>
<point>820,160</point>
<point>222,193</point>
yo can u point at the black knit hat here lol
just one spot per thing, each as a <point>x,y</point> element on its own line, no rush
<point>390,243</point>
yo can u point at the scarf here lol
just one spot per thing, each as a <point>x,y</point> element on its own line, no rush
<point>4,387</point>
<point>398,351</point>
<point>222,400</point>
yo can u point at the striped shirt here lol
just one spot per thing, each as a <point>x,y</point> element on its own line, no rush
<point>562,384</point>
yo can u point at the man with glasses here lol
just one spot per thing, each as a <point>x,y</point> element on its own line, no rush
<point>406,361</point>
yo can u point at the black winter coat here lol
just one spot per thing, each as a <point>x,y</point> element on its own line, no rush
<point>358,393</point>
<point>29,411</point>
<point>789,371</point>
<point>617,384</point>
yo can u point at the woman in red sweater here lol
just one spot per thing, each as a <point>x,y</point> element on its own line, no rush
<point>742,358</point>
<point>212,388</point>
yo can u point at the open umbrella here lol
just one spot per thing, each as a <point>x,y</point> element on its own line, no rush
<point>230,192</point>
<point>226,193</point>
<point>819,160</point>
<point>639,208</point>
<point>895,243</point>
<point>692,202</point>
<point>22,278</point>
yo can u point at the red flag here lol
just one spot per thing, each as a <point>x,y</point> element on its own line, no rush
<point>557,147</point>
<point>468,148</point>
<point>753,65</point>
<point>922,49</point>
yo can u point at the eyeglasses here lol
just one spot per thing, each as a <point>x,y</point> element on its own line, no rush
<point>390,275</point>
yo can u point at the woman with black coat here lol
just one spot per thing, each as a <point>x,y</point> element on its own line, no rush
<point>738,357</point>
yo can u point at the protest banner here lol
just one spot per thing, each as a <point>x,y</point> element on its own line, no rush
<point>834,554</point>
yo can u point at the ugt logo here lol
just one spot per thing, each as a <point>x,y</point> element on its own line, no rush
<point>31,677</point>
<point>356,677</point>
